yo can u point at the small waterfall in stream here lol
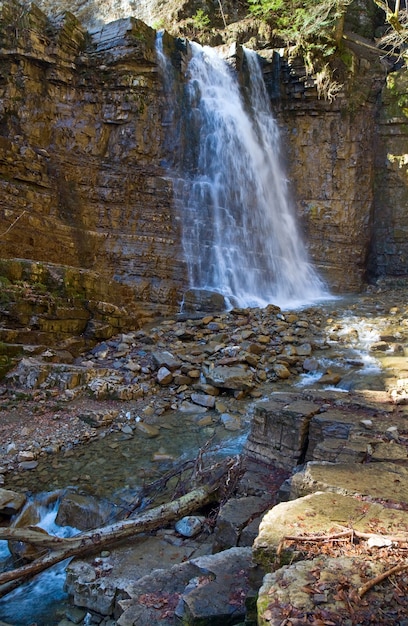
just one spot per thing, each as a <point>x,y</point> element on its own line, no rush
<point>239,232</point>
<point>35,601</point>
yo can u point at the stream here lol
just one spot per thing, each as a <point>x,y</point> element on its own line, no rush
<point>113,467</point>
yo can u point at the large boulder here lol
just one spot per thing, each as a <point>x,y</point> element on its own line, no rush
<point>204,301</point>
<point>11,502</point>
<point>320,513</point>
<point>384,481</point>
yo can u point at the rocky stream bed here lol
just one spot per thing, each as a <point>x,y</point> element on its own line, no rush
<point>315,402</point>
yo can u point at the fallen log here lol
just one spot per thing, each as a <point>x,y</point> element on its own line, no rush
<point>58,549</point>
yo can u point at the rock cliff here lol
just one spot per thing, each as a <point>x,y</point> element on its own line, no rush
<point>83,153</point>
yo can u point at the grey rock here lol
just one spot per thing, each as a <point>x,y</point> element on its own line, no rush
<point>230,377</point>
<point>190,525</point>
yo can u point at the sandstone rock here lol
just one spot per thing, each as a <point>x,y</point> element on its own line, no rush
<point>280,428</point>
<point>315,513</point>
<point>203,400</point>
<point>11,502</point>
<point>234,377</point>
<point>289,586</point>
<point>164,376</point>
<point>281,371</point>
<point>383,481</point>
<point>83,512</point>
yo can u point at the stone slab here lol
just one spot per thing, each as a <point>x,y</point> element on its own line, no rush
<point>321,513</point>
<point>385,481</point>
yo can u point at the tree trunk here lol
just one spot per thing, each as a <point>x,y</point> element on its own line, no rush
<point>100,538</point>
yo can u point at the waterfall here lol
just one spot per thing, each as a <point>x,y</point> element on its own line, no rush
<point>239,232</point>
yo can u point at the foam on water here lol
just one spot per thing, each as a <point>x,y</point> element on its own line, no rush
<point>34,601</point>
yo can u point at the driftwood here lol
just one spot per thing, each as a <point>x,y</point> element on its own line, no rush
<point>402,567</point>
<point>57,549</point>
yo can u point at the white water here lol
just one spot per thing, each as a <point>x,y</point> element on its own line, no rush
<point>33,602</point>
<point>239,232</point>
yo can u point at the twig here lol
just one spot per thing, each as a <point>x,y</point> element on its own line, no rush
<point>378,579</point>
<point>346,533</point>
<point>12,225</point>
<point>341,535</point>
<point>222,14</point>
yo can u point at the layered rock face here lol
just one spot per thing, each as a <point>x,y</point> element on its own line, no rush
<point>83,146</point>
<point>330,147</point>
<point>81,142</point>
<point>390,245</point>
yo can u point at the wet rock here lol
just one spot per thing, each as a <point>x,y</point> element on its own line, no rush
<point>22,551</point>
<point>310,365</point>
<point>166,359</point>
<point>75,614</point>
<point>281,371</point>
<point>204,301</point>
<point>190,407</point>
<point>27,465</point>
<point>230,422</point>
<point>83,512</point>
<point>11,502</point>
<point>330,378</point>
<point>305,349</point>
<point>379,346</point>
<point>203,400</point>
<point>149,430</point>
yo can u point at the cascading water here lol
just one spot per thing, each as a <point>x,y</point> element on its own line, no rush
<point>239,233</point>
<point>34,602</point>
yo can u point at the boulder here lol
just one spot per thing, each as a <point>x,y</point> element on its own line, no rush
<point>230,377</point>
<point>385,481</point>
<point>279,429</point>
<point>11,502</point>
<point>83,512</point>
<point>206,590</point>
<point>310,586</point>
<point>320,513</point>
<point>203,300</point>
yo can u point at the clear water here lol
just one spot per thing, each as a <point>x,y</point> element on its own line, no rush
<point>239,232</point>
<point>39,601</point>
<point>131,464</point>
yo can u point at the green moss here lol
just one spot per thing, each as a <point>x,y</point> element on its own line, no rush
<point>347,58</point>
